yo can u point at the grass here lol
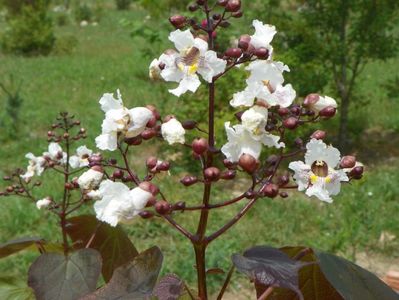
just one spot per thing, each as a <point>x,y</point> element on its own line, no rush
<point>106,59</point>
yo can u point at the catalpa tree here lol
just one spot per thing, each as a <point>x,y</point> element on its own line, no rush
<point>265,110</point>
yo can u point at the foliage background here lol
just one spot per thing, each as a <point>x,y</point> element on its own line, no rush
<point>114,51</point>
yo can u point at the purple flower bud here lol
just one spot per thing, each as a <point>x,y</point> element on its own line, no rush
<point>118,174</point>
<point>348,162</point>
<point>189,124</point>
<point>262,53</point>
<point>248,163</point>
<point>181,205</point>
<point>189,180</point>
<point>193,7</point>
<point>149,187</point>
<point>283,180</point>
<point>151,162</point>
<point>228,174</point>
<point>145,214</point>
<point>233,52</point>
<point>328,112</point>
<point>233,5</point>
<point>223,2</point>
<point>200,146</point>
<point>311,99</point>
<point>356,172</point>
<point>291,123</point>
<point>283,194</point>
<point>164,166</point>
<point>237,14</point>
<point>212,174</point>
<point>134,141</point>
<point>162,207</point>
<point>269,190</point>
<point>178,21</point>
<point>148,133</point>
<point>318,135</point>
<point>283,111</point>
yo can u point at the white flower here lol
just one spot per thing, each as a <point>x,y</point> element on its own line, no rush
<point>263,35</point>
<point>118,203</point>
<point>317,175</point>
<point>193,57</point>
<point>240,141</point>
<point>155,70</point>
<point>324,102</point>
<point>254,120</point>
<point>90,179</point>
<point>55,153</point>
<point>43,203</point>
<point>35,167</point>
<point>118,119</point>
<point>81,159</point>
<point>265,85</point>
<point>173,132</point>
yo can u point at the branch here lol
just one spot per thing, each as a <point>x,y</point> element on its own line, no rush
<point>226,227</point>
<point>184,231</point>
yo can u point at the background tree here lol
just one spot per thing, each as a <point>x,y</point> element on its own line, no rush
<point>353,33</point>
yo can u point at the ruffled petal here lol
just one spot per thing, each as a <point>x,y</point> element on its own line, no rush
<point>182,39</point>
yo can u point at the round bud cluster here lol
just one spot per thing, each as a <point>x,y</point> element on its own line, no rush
<point>155,166</point>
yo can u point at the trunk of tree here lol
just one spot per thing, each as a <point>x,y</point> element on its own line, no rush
<point>343,124</point>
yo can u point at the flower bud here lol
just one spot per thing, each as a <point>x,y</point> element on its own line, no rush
<point>283,111</point>
<point>200,2</point>
<point>290,123</point>
<point>228,174</point>
<point>152,122</point>
<point>262,53</point>
<point>69,186</point>
<point>296,110</point>
<point>237,14</point>
<point>229,165</point>
<point>178,21</point>
<point>118,174</point>
<point>98,169</point>
<point>151,202</point>
<point>328,112</point>
<point>212,174</point>
<point>311,99</point>
<point>189,124</point>
<point>193,7</point>
<point>149,187</point>
<point>200,146</point>
<point>162,207</point>
<point>181,205</point>
<point>217,17</point>
<point>233,5</point>
<point>113,161</point>
<point>151,162</point>
<point>10,189</point>
<point>189,180</point>
<point>134,141</point>
<point>248,163</point>
<point>269,190</point>
<point>6,178</point>
<point>357,172</point>
<point>318,135</point>
<point>298,142</point>
<point>283,180</point>
<point>244,41</point>
<point>272,159</point>
<point>222,2</point>
<point>163,166</point>
<point>148,133</point>
<point>250,194</point>
<point>145,214</point>
<point>233,52</point>
<point>348,162</point>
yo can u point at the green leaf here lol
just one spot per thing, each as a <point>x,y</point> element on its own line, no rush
<point>57,277</point>
<point>135,280</point>
<point>17,245</point>
<point>352,281</point>
<point>112,242</point>
<point>15,289</point>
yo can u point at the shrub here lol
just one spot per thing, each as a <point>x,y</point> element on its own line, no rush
<point>65,45</point>
<point>29,29</point>
<point>123,4</point>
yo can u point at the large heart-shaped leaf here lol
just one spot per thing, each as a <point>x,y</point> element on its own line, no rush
<point>15,289</point>
<point>135,280</point>
<point>113,244</point>
<point>270,267</point>
<point>17,245</point>
<point>57,277</point>
<point>312,281</point>
<point>352,281</point>
<point>170,287</point>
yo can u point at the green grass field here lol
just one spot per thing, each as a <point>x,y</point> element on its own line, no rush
<point>107,58</point>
